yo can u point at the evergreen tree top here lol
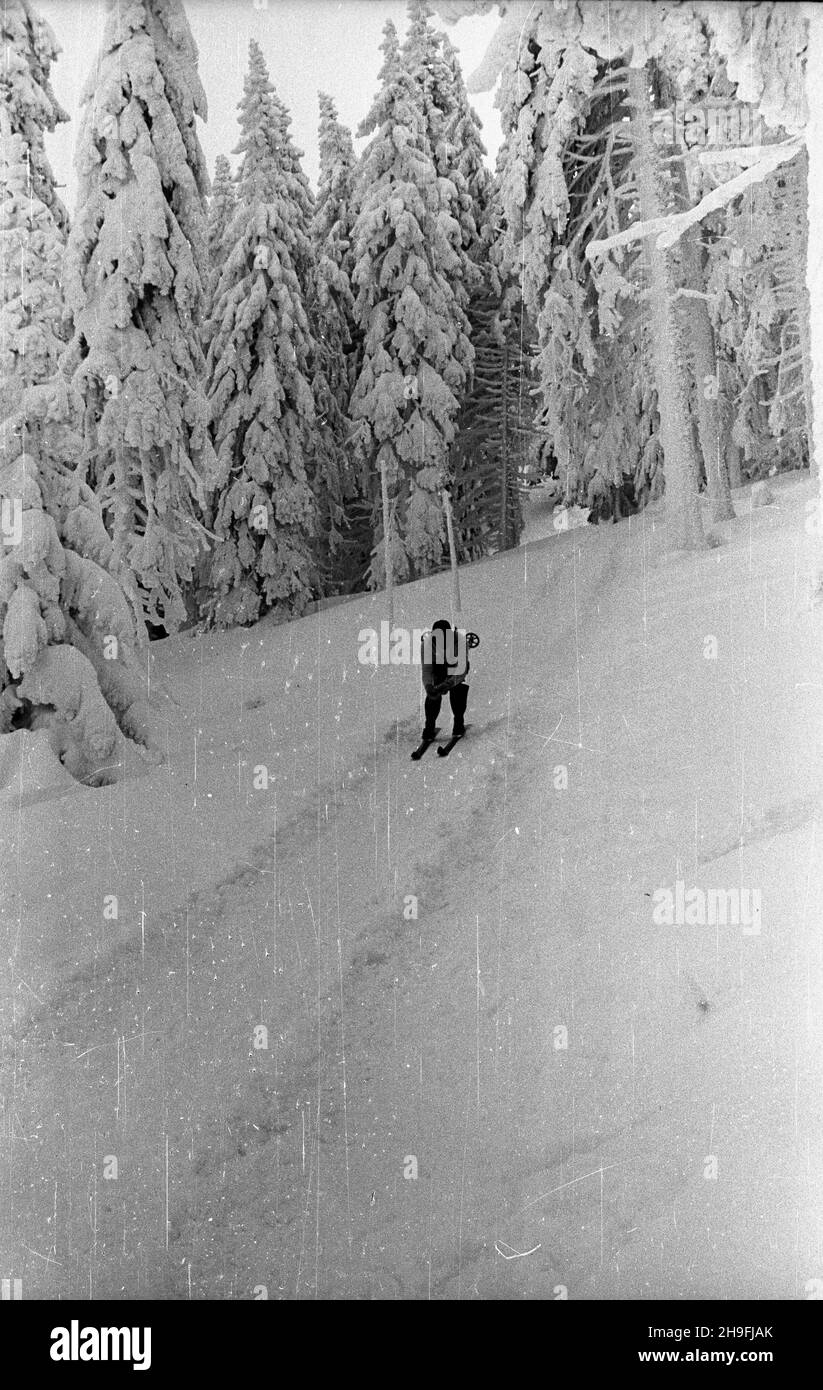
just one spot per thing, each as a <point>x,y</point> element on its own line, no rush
<point>221,208</point>
<point>140,104</point>
<point>419,12</point>
<point>222,172</point>
<point>335,141</point>
<point>224,186</point>
<point>337,170</point>
<point>390,48</point>
<point>270,167</point>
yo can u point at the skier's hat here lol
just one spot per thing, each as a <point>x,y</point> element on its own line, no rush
<point>444,645</point>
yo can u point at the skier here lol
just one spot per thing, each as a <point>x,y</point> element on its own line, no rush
<point>445,663</point>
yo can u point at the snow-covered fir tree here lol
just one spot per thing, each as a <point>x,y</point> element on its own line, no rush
<point>136,268</point>
<point>327,454</point>
<point>337,339</point>
<point>553,56</point>
<point>221,206</point>
<point>222,203</point>
<point>494,427</point>
<point>417,355</point>
<point>27,50</point>
<point>488,449</point>
<point>69,631</point>
<point>453,134</point>
<point>332,224</point>
<point>598,402</point>
<point>260,368</point>
<point>760,308</point>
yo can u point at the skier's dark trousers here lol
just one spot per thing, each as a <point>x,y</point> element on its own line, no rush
<point>445,665</point>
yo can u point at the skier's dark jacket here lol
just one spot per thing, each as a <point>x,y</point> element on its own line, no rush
<point>438,679</point>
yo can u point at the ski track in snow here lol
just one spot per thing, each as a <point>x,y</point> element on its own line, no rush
<point>435,1040</point>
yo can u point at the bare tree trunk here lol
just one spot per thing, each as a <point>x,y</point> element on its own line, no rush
<point>699,337</point>
<point>733,463</point>
<point>704,360</point>
<point>668,351</point>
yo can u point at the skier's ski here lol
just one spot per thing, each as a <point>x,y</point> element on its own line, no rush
<point>447,747</point>
<point>418,752</point>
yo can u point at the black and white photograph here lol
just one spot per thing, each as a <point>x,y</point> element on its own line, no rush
<point>411,661</point>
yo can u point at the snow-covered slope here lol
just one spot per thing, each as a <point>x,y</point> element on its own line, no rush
<point>666,1144</point>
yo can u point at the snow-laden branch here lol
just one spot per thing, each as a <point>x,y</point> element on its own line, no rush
<point>738,154</point>
<point>670,229</point>
<point>684,293</point>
